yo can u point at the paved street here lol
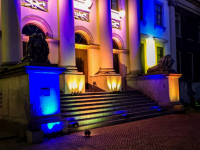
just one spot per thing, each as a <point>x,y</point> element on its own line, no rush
<point>177,131</point>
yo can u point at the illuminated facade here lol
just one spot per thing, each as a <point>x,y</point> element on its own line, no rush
<point>102,45</point>
<point>127,39</point>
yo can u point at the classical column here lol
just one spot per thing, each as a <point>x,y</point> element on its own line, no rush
<point>172,5</point>
<point>134,37</point>
<point>106,45</point>
<point>67,34</point>
<point>11,32</point>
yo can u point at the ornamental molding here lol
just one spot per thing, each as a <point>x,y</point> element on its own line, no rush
<point>36,4</point>
<point>81,15</point>
<point>115,24</point>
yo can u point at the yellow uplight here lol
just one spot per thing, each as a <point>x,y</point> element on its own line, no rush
<point>150,52</point>
<point>114,83</point>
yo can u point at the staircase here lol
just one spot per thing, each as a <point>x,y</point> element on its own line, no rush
<point>93,110</point>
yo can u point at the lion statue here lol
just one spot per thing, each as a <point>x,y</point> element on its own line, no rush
<point>164,64</point>
<point>37,50</point>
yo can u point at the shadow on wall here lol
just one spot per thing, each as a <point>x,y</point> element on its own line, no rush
<point>123,72</point>
<point>94,88</point>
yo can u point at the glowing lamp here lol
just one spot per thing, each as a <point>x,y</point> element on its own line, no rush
<point>88,3</point>
<point>87,133</point>
<point>122,13</point>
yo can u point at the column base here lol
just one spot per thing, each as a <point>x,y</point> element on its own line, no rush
<point>106,71</point>
<point>71,70</point>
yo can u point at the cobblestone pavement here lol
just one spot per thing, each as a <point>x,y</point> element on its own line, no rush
<point>177,131</point>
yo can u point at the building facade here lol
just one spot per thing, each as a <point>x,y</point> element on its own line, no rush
<point>187,36</point>
<point>119,36</point>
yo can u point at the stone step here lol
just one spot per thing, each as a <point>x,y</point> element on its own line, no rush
<point>62,97</point>
<point>113,122</point>
<point>111,117</point>
<point>99,93</point>
<point>107,113</point>
<point>64,101</point>
<point>65,107</point>
<point>98,102</point>
<point>105,109</point>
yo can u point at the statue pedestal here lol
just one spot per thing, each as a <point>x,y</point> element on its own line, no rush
<point>39,83</point>
<point>163,88</point>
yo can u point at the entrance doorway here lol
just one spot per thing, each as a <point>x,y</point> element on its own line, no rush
<point>115,57</point>
<point>82,64</point>
<point>116,62</point>
<point>81,57</point>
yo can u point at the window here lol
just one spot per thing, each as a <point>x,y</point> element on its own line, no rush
<point>114,4</point>
<point>199,31</point>
<point>190,66</point>
<point>31,29</point>
<point>158,14</point>
<point>142,57</point>
<point>159,53</point>
<point>80,39</point>
<point>115,46</point>
<point>178,56</point>
<point>178,24</point>
<point>141,9</point>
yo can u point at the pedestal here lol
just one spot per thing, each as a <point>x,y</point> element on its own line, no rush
<point>36,85</point>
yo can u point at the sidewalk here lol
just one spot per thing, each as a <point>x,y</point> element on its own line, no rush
<point>171,132</point>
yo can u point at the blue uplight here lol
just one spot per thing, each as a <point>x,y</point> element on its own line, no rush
<point>121,112</point>
<point>156,76</point>
<point>154,107</point>
<point>51,125</point>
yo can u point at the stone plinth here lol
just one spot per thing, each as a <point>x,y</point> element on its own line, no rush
<point>39,84</point>
<point>163,88</point>
<point>107,83</point>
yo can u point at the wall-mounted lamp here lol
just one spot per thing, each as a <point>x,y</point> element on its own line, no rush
<point>88,3</point>
<point>122,13</point>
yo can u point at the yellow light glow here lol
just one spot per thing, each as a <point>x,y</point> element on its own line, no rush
<point>75,83</point>
<point>150,52</point>
<point>174,87</point>
<point>114,83</point>
<point>80,85</point>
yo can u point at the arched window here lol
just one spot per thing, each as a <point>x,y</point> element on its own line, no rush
<point>31,29</point>
<point>80,39</point>
<point>115,45</point>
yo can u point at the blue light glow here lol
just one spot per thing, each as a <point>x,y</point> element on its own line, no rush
<point>154,107</point>
<point>156,76</point>
<point>48,102</point>
<point>44,105</point>
<point>51,125</point>
<point>121,112</point>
